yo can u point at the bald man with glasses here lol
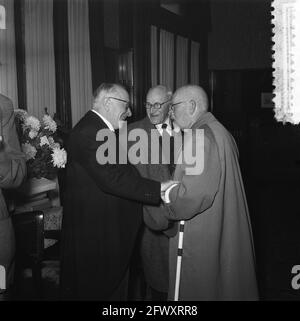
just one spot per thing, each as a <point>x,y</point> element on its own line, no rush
<point>213,250</point>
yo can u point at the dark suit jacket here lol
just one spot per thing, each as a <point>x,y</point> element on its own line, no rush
<point>154,239</point>
<point>101,218</point>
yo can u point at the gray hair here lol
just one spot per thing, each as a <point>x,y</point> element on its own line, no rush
<point>107,88</point>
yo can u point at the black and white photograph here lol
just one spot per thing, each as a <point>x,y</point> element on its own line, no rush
<point>149,152</point>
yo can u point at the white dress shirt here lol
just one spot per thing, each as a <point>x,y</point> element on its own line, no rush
<point>109,125</point>
<point>167,194</point>
<point>169,128</point>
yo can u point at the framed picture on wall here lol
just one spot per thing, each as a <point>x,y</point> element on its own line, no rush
<point>266,100</point>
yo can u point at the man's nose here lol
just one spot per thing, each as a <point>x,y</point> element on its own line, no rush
<point>129,113</point>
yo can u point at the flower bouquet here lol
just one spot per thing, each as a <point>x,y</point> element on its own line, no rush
<point>39,142</point>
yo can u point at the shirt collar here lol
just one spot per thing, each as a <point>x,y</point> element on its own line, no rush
<point>168,129</point>
<point>108,124</point>
<point>176,128</point>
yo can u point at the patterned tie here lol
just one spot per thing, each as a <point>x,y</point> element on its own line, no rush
<point>171,165</point>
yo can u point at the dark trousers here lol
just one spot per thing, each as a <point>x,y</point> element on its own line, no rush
<point>158,296</point>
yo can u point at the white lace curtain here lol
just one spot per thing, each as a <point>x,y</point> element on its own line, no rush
<point>8,73</point>
<point>39,57</point>
<point>80,59</point>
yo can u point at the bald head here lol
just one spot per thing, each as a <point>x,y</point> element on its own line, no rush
<point>193,92</point>
<point>190,102</point>
<point>159,90</point>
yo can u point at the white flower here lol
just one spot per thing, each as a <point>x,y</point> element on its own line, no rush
<point>52,143</point>
<point>49,123</point>
<point>32,134</point>
<point>32,122</point>
<point>29,150</point>
<point>59,157</point>
<point>44,141</point>
<point>51,140</point>
<point>21,113</point>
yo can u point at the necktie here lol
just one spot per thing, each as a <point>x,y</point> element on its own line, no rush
<point>171,165</point>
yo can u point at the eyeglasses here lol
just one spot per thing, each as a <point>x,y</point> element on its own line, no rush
<point>172,105</point>
<point>124,101</point>
<point>155,105</point>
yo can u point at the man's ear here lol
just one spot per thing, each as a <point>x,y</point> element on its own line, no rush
<point>192,107</point>
<point>106,103</point>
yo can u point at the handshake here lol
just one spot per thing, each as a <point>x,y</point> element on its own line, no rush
<point>166,186</point>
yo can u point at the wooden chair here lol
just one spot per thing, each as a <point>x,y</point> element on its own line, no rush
<point>30,252</point>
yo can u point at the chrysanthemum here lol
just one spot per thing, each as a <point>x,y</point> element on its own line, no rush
<point>29,150</point>
<point>32,134</point>
<point>52,143</point>
<point>49,123</point>
<point>59,157</point>
<point>44,141</point>
<point>21,113</point>
<point>32,122</point>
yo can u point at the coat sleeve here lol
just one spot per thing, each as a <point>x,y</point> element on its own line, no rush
<point>196,193</point>
<point>121,180</point>
<point>12,160</point>
<point>154,216</point>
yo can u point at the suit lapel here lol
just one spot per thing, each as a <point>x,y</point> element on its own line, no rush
<point>162,169</point>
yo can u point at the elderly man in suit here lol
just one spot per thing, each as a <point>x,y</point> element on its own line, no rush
<point>103,210</point>
<point>217,249</point>
<point>12,173</point>
<point>155,235</point>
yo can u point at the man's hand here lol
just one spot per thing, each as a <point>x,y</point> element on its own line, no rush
<point>165,186</point>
